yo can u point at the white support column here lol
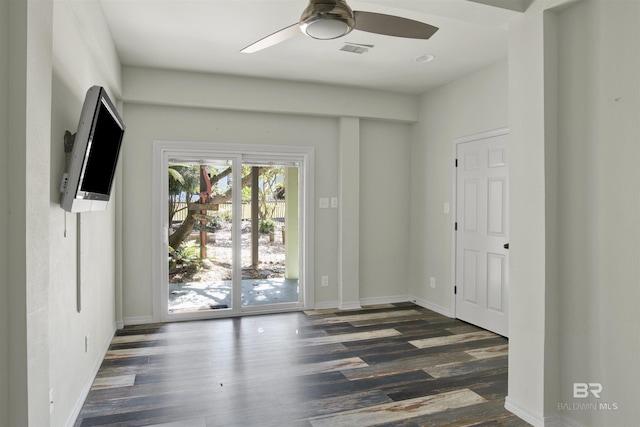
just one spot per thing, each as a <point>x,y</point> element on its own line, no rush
<point>4,212</point>
<point>349,214</point>
<point>533,295</point>
<point>30,59</point>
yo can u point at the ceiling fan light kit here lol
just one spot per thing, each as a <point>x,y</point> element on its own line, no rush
<point>326,20</point>
<point>421,59</point>
<point>330,19</point>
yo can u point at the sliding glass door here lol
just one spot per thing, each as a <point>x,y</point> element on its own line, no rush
<point>233,233</point>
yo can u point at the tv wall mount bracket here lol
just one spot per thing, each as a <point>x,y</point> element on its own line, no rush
<point>69,140</point>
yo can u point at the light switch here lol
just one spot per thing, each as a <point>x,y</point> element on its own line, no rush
<point>446,207</point>
<point>323,202</point>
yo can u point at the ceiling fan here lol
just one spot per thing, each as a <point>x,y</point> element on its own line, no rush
<point>330,19</point>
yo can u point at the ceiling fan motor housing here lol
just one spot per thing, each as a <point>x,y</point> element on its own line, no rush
<point>327,19</point>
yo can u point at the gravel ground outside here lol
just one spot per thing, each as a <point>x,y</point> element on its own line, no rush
<point>217,266</point>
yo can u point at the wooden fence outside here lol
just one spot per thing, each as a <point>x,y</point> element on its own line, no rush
<point>225,209</point>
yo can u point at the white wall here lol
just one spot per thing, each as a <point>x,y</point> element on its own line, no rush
<point>4,213</point>
<point>81,47</point>
<point>473,104</point>
<point>384,214</point>
<point>277,124</point>
<point>599,206</point>
<point>144,85</point>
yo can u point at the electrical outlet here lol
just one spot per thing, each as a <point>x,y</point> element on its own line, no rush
<point>325,281</point>
<point>432,282</point>
<point>334,202</point>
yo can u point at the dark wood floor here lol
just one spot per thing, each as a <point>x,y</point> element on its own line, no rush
<point>390,365</point>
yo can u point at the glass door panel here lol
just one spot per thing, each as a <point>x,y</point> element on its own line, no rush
<point>201,253</point>
<point>269,242</point>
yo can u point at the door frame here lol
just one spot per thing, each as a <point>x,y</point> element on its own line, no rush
<point>163,151</point>
<point>454,194</point>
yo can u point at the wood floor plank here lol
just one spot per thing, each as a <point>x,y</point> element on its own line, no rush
<point>396,411</point>
<point>470,415</point>
<point>295,413</point>
<point>196,422</point>
<point>377,316</point>
<point>113,382</point>
<point>452,339</point>
<point>358,336</point>
<point>488,352</point>
<point>407,365</point>
<point>298,370</point>
<point>466,367</point>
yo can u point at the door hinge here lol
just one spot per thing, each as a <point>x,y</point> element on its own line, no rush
<point>456,162</point>
<point>455,290</point>
<point>455,227</point>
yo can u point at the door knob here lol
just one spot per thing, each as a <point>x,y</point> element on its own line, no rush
<point>506,246</point>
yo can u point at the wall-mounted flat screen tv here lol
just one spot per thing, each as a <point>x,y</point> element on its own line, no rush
<point>96,147</point>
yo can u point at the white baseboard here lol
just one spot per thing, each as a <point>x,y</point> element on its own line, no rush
<point>324,305</point>
<point>350,305</point>
<point>555,420</point>
<point>87,386</point>
<point>384,300</point>
<point>433,307</point>
<point>523,412</point>
<point>138,320</point>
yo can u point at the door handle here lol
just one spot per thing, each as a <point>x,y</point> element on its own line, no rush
<point>506,246</point>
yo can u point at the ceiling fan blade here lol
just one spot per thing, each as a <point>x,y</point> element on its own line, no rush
<point>390,25</point>
<point>274,39</point>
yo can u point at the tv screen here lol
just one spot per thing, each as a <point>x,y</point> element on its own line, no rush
<point>94,157</point>
<point>103,154</point>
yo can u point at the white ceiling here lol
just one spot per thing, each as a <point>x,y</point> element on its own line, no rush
<point>207,36</point>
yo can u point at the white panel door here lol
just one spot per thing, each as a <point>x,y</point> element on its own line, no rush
<point>482,260</point>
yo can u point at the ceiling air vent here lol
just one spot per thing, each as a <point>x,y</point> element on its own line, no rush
<point>356,47</point>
